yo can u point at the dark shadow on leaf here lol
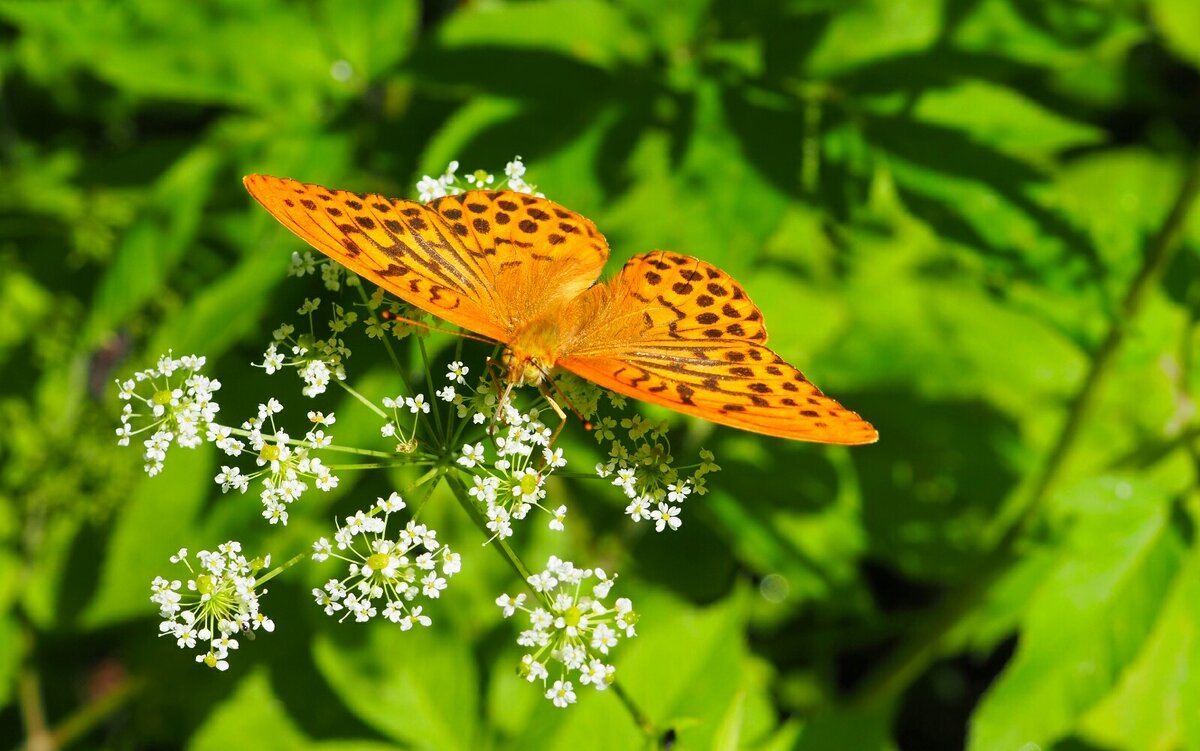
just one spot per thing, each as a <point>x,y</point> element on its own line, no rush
<point>933,482</point>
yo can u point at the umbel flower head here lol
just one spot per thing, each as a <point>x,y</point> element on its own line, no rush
<point>218,603</point>
<point>573,627</point>
<point>384,571</point>
<point>175,402</point>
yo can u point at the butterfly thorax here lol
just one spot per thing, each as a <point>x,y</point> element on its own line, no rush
<point>531,353</point>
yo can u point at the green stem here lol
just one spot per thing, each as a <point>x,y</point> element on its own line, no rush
<point>305,444</point>
<point>464,500</point>
<point>259,581</point>
<point>380,465</point>
<point>387,342</point>
<point>369,404</point>
<point>81,722</point>
<point>437,413</point>
<point>460,492</point>
<point>910,659</point>
<point>643,722</point>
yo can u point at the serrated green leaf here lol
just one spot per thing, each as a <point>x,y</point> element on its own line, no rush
<point>1148,708</point>
<point>1089,620</point>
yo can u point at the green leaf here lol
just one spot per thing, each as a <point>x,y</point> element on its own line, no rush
<point>259,55</point>
<point>1088,621</point>
<point>1155,698</point>
<point>873,29</point>
<point>154,244</point>
<point>1177,21</point>
<point>600,33</point>
<point>416,687</point>
<point>372,35</point>
<point>159,518</point>
<point>1003,118</point>
<point>252,710</point>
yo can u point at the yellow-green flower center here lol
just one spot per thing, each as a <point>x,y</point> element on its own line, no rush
<point>162,397</point>
<point>528,484</point>
<point>480,176</point>
<point>269,452</point>
<point>572,616</point>
<point>378,561</point>
<point>205,584</point>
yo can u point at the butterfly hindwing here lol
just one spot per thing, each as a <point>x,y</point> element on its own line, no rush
<point>660,332</point>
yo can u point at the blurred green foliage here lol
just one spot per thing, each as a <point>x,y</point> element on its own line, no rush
<point>940,207</point>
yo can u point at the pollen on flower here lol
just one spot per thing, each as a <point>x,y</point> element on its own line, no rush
<point>570,626</point>
<point>387,572</point>
<point>218,602</point>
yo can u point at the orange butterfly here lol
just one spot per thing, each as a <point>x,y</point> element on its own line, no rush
<point>521,270</point>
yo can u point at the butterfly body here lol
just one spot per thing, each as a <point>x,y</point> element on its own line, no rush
<point>521,270</point>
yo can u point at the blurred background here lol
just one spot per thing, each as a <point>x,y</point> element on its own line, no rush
<point>966,219</point>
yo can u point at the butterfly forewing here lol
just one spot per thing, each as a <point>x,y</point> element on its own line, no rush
<point>488,261</point>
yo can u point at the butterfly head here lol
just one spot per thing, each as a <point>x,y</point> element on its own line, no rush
<point>523,369</point>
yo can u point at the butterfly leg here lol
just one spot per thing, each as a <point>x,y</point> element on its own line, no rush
<point>562,416</point>
<point>497,373</point>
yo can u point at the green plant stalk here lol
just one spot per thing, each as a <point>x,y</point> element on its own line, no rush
<point>913,656</point>
<point>460,492</point>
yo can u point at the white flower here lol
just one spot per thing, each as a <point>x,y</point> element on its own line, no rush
<point>510,604</point>
<point>221,601</point>
<point>384,570</point>
<point>457,372</point>
<point>417,404</point>
<point>666,516</point>
<point>561,693</point>
<point>471,455</point>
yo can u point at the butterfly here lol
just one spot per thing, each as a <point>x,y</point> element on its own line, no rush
<point>522,271</point>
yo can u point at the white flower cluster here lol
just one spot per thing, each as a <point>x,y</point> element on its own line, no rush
<point>218,603</point>
<point>413,405</point>
<point>180,407</point>
<point>655,488</point>
<point>571,627</point>
<point>285,464</point>
<point>450,184</point>
<point>515,482</point>
<point>317,361</point>
<point>384,570</point>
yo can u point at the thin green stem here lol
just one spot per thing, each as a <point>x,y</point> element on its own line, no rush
<point>460,492</point>
<point>259,581</point>
<point>909,660</point>
<point>81,722</point>
<point>369,404</point>
<point>387,343</point>
<point>437,413</point>
<point>330,447</point>
<point>639,717</point>
<point>380,465</point>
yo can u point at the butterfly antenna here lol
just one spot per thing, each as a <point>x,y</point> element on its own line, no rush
<point>388,315</point>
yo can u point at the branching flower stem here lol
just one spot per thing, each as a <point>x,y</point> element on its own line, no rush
<point>460,493</point>
<point>909,660</point>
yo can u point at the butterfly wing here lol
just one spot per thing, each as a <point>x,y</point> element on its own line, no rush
<point>483,260</point>
<point>678,332</point>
